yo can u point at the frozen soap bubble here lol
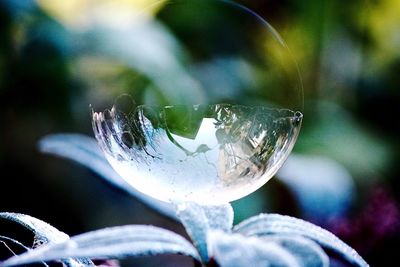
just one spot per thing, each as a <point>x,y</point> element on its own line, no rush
<point>230,122</point>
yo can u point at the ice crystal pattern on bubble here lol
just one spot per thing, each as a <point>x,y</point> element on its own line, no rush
<point>210,154</point>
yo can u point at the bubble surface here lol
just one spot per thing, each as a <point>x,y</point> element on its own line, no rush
<point>210,154</point>
<point>221,110</point>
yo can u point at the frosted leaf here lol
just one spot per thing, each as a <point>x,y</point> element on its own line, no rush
<point>5,241</point>
<point>235,250</point>
<point>16,242</point>
<point>85,150</point>
<point>199,220</point>
<point>307,252</point>
<point>219,217</point>
<point>43,231</point>
<point>115,242</point>
<point>194,220</point>
<point>268,224</point>
<point>44,234</point>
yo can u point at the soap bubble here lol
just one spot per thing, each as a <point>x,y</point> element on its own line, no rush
<point>217,126</point>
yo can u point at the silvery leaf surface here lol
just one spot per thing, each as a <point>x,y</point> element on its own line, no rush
<point>85,150</point>
<point>219,217</point>
<point>44,233</point>
<point>199,220</point>
<point>271,224</point>
<point>236,250</point>
<point>13,241</point>
<point>5,241</point>
<point>307,252</point>
<point>114,242</point>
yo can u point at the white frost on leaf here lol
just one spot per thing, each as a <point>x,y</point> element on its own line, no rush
<point>4,240</point>
<point>43,231</point>
<point>275,224</point>
<point>307,252</point>
<point>44,234</point>
<point>235,250</point>
<point>85,150</point>
<point>114,242</point>
<point>219,217</point>
<point>199,220</point>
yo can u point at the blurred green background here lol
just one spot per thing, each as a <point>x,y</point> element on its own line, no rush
<point>56,61</point>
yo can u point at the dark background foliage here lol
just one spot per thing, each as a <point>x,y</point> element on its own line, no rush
<point>348,53</point>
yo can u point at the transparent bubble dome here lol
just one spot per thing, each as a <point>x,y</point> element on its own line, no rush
<point>215,123</point>
<point>209,154</point>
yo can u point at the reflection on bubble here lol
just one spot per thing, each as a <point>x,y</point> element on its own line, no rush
<point>209,154</point>
<point>217,117</point>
